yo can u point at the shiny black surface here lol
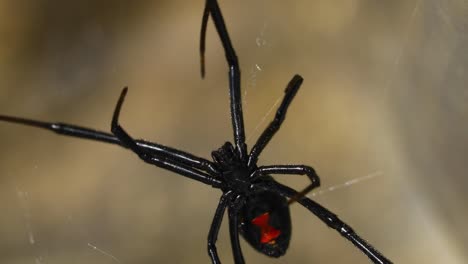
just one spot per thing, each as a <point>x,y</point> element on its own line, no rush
<point>247,188</point>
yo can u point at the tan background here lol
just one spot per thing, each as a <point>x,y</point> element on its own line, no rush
<point>384,94</point>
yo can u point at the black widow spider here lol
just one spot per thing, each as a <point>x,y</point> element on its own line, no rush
<point>258,206</point>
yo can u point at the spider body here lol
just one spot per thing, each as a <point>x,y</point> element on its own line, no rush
<point>257,205</point>
<point>266,223</point>
<point>264,216</point>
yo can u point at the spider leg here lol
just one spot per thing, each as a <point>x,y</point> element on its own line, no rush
<point>291,169</point>
<point>233,212</point>
<point>211,7</point>
<point>274,126</point>
<point>158,160</point>
<point>87,133</point>
<point>332,221</point>
<point>206,14</point>
<point>215,225</point>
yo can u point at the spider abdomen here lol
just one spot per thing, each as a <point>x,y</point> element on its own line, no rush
<point>266,223</point>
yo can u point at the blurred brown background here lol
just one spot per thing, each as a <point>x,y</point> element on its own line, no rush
<point>384,94</point>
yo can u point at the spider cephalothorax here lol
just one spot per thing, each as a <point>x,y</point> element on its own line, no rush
<point>233,172</point>
<point>226,158</point>
<point>258,206</point>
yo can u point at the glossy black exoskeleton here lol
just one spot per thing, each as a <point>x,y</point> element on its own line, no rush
<point>257,204</point>
<point>274,210</point>
<point>264,216</point>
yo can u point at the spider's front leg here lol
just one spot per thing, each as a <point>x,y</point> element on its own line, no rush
<point>274,126</point>
<point>162,161</point>
<point>212,8</point>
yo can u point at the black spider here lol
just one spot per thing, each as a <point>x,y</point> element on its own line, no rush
<point>258,206</point>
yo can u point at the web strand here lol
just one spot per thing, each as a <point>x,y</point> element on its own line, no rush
<point>346,184</point>
<point>104,252</point>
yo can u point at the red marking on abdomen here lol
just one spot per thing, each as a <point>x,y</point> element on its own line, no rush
<point>268,233</point>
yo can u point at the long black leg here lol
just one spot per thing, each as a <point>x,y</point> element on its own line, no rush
<point>273,127</point>
<point>87,133</point>
<point>211,7</point>
<point>233,212</point>
<point>206,14</point>
<point>332,221</point>
<point>160,161</point>
<point>291,169</point>
<point>215,225</point>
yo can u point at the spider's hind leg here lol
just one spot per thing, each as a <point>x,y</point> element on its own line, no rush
<point>294,170</point>
<point>332,221</point>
